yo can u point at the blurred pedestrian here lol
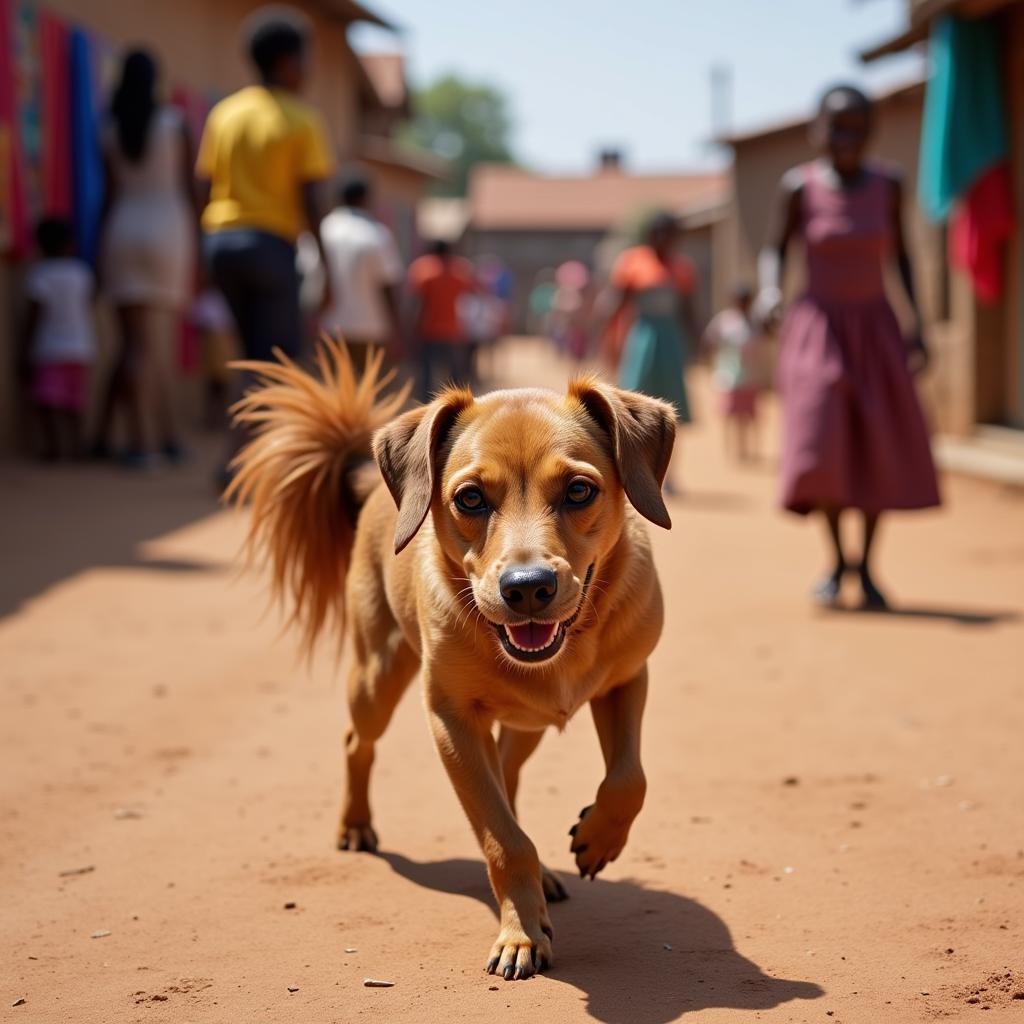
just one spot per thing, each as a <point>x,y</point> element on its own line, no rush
<point>734,342</point>
<point>654,282</point>
<point>438,280</point>
<point>854,436</point>
<point>540,302</point>
<point>60,341</point>
<point>571,310</point>
<point>147,259</point>
<point>211,317</point>
<point>262,167</point>
<point>365,271</point>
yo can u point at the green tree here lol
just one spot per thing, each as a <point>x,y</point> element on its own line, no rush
<point>463,122</point>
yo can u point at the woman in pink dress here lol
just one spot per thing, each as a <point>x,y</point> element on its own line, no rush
<point>854,436</point>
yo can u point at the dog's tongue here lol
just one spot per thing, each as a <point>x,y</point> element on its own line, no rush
<point>533,636</point>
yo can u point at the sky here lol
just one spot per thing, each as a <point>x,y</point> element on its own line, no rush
<point>635,74</point>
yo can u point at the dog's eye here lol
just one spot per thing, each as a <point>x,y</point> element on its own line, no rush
<point>580,492</point>
<point>470,499</point>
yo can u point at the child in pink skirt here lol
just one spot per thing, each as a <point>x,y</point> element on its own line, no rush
<point>854,436</point>
<point>732,338</point>
<point>61,341</point>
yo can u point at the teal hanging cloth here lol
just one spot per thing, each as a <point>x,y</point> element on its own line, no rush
<point>964,130</point>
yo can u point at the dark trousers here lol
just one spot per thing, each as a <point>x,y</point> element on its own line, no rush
<point>256,273</point>
<point>444,362</point>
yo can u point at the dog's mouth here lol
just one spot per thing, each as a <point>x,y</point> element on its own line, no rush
<point>539,641</point>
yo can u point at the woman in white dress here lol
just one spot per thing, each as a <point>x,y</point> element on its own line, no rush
<point>147,256</point>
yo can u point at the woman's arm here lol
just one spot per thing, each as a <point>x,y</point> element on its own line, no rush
<point>189,183</point>
<point>194,197</point>
<point>314,206</point>
<point>608,307</point>
<point>917,354</point>
<point>771,262</point>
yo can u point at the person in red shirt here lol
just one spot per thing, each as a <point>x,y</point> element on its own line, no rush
<point>438,281</point>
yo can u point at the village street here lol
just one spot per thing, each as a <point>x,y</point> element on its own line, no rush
<point>832,832</point>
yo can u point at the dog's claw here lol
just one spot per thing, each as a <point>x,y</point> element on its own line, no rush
<point>554,891</point>
<point>597,839</point>
<point>492,965</point>
<point>358,838</point>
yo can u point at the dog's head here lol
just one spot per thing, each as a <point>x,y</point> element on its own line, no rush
<point>528,491</point>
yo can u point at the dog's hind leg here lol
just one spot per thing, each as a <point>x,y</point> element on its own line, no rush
<point>384,666</point>
<point>514,749</point>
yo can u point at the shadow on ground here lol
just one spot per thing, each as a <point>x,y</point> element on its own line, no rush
<point>935,613</point>
<point>610,943</point>
<point>59,520</point>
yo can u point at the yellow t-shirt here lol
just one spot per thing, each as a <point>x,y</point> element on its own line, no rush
<point>259,147</point>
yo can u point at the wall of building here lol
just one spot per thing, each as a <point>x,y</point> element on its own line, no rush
<point>526,253</point>
<point>1013,383</point>
<point>199,45</point>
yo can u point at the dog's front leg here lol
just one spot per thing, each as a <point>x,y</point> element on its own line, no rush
<point>470,755</point>
<point>601,833</point>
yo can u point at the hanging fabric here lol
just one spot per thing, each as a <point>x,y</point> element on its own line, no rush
<point>28,100</point>
<point>56,168</point>
<point>979,230</point>
<point>87,160</point>
<point>964,130</point>
<point>14,236</point>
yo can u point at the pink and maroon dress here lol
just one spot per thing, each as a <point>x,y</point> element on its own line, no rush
<point>854,435</point>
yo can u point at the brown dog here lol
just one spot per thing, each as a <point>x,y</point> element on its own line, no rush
<point>508,564</point>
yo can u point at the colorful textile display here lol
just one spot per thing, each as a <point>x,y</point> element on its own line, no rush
<point>13,223</point>
<point>86,158</point>
<point>964,130</point>
<point>28,103</point>
<point>979,229</point>
<point>55,64</point>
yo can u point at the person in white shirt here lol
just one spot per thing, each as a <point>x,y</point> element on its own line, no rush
<point>365,270</point>
<point>735,342</point>
<point>61,340</point>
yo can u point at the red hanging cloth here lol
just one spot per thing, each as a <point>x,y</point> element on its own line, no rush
<point>979,229</point>
<point>56,116</point>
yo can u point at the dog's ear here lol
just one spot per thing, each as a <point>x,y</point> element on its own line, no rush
<point>406,452</point>
<point>642,432</point>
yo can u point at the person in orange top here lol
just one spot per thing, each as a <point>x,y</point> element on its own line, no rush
<point>655,283</point>
<point>438,280</point>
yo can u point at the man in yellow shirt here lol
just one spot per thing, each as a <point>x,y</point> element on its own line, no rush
<point>262,165</point>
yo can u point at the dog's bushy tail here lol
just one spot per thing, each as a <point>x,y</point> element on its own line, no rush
<point>309,436</point>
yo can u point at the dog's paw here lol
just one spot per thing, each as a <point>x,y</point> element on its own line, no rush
<point>517,955</point>
<point>597,839</point>
<point>357,838</point>
<point>554,891</point>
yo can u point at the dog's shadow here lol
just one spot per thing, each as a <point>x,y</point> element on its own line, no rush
<point>640,954</point>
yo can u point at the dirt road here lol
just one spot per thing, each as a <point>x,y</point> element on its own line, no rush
<point>833,829</point>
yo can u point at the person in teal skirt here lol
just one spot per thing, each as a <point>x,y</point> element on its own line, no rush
<point>655,283</point>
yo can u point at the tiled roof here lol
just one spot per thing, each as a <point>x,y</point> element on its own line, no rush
<point>507,198</point>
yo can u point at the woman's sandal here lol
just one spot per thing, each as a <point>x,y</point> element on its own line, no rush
<point>826,592</point>
<point>874,599</point>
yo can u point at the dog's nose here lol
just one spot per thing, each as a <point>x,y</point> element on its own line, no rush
<point>528,589</point>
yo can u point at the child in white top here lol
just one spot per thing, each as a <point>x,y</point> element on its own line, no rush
<point>61,340</point>
<point>734,340</point>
